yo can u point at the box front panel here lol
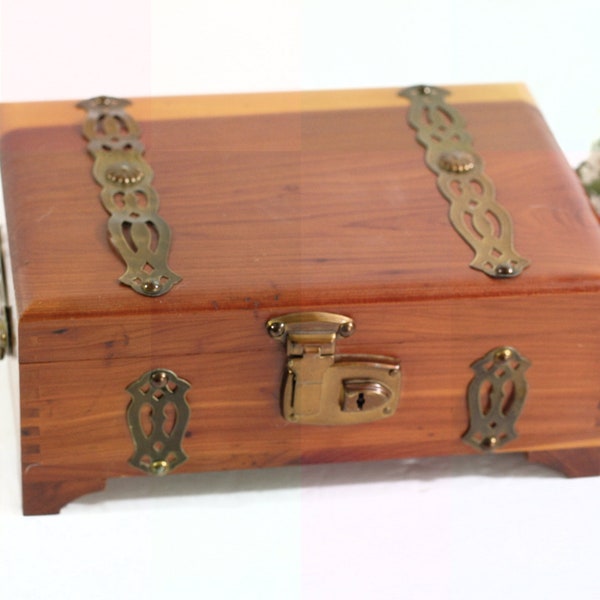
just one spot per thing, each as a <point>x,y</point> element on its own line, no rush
<point>74,414</point>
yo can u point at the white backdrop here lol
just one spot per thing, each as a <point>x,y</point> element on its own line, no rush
<point>456,529</point>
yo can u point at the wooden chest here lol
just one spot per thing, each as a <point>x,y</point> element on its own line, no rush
<point>295,220</point>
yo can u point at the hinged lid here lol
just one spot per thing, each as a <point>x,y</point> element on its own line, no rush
<point>277,203</point>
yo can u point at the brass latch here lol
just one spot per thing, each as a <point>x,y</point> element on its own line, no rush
<point>321,387</point>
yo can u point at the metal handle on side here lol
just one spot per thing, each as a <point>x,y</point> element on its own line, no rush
<point>5,328</point>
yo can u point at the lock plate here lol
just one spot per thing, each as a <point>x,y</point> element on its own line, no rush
<point>321,387</point>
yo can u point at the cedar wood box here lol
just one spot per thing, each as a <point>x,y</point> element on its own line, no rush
<point>277,204</point>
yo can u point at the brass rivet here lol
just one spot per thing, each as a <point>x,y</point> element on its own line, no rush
<point>151,286</point>
<point>456,161</point>
<point>387,410</point>
<point>346,329</point>
<point>103,102</point>
<point>293,417</point>
<point>159,378</point>
<point>159,467</point>
<point>504,354</point>
<point>106,101</point>
<point>490,442</point>
<point>276,329</point>
<point>504,270</point>
<point>394,372</point>
<point>123,174</point>
<point>425,90</point>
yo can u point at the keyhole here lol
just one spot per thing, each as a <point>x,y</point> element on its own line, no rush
<point>360,402</point>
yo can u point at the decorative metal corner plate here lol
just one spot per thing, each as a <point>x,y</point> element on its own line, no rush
<point>136,231</point>
<point>474,212</point>
<point>158,416</point>
<point>495,398</point>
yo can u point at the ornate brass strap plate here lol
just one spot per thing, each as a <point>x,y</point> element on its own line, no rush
<point>158,416</point>
<point>136,231</point>
<point>495,398</point>
<point>474,213</point>
<point>324,388</point>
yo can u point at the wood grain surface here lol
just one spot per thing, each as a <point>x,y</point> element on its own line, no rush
<point>325,209</point>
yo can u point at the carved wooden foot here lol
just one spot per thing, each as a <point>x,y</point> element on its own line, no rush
<point>575,462</point>
<point>47,490</point>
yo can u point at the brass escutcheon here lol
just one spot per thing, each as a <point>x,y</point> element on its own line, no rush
<point>156,438</point>
<point>495,398</point>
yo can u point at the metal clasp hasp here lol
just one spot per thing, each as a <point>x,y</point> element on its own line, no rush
<point>321,387</point>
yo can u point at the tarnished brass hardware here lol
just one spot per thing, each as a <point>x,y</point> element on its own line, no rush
<point>158,416</point>
<point>495,398</point>
<point>136,231</point>
<point>5,332</point>
<point>474,212</point>
<point>321,387</point>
